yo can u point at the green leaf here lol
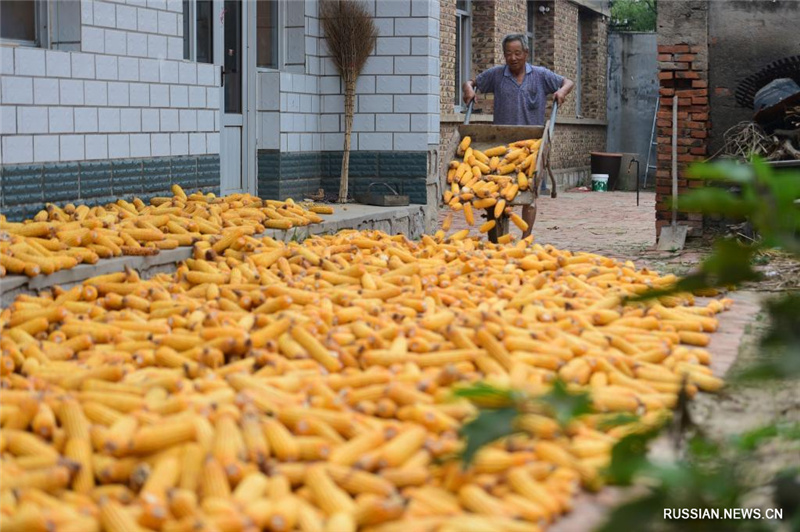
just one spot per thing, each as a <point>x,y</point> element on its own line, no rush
<point>785,365</point>
<point>716,201</point>
<point>480,391</point>
<point>703,448</point>
<point>640,514</point>
<point>784,322</point>
<point>729,264</point>
<point>752,439</point>
<point>616,420</point>
<point>629,457</point>
<point>488,426</point>
<point>780,343</point>
<point>565,405</point>
<point>729,171</point>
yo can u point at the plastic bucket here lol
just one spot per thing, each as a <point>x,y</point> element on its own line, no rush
<point>600,182</point>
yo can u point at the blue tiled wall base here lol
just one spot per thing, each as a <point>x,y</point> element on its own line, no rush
<point>25,189</point>
<point>284,175</point>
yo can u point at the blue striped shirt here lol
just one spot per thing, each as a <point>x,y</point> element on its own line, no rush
<point>519,104</point>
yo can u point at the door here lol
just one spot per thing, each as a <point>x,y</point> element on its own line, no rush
<point>231,52</point>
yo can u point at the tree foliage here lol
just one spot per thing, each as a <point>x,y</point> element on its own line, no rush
<point>633,15</point>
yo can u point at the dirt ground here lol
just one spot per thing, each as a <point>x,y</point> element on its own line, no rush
<point>612,224</point>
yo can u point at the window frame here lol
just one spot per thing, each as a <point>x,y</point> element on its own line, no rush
<point>280,39</point>
<point>463,52</point>
<point>40,29</point>
<point>192,25</point>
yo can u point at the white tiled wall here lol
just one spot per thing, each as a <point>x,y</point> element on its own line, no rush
<point>397,103</point>
<point>128,93</point>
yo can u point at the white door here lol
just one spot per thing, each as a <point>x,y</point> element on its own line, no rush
<point>232,53</point>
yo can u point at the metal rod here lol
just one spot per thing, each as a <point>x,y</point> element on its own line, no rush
<point>553,117</point>
<point>469,110</point>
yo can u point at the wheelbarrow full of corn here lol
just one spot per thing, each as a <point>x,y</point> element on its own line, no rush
<point>485,137</point>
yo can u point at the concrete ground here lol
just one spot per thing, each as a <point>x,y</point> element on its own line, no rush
<point>609,223</point>
<point>612,224</point>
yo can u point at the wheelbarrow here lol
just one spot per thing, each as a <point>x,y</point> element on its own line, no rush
<point>485,136</point>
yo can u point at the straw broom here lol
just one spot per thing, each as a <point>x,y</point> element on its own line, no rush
<point>350,34</point>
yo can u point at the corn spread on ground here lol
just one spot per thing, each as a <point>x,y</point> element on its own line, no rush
<point>61,238</point>
<point>273,386</point>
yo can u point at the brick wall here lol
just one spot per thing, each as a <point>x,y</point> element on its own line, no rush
<point>572,144</point>
<point>447,57</point>
<point>594,52</point>
<point>484,36</point>
<point>510,17</point>
<point>565,46</point>
<point>683,74</point>
<point>543,35</point>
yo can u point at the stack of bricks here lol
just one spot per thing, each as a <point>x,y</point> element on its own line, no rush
<point>683,74</point>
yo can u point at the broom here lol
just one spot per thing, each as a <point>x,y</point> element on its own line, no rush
<point>350,34</point>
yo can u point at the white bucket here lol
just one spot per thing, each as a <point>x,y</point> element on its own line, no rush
<point>600,182</point>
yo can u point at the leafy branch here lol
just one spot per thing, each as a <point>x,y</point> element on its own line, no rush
<point>498,420</point>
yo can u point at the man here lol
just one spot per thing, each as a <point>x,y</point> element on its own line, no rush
<point>520,93</point>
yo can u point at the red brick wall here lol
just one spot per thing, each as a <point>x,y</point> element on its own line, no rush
<point>683,74</point>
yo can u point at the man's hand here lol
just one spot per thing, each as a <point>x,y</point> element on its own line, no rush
<point>469,92</point>
<point>561,94</point>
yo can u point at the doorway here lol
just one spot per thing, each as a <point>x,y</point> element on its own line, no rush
<point>237,143</point>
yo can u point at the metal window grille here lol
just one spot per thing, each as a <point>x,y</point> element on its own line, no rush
<point>463,51</point>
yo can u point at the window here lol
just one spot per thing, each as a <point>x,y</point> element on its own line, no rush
<point>463,56</point>
<point>267,34</point>
<point>53,24</point>
<point>529,32</point>
<point>20,21</point>
<point>198,42</point>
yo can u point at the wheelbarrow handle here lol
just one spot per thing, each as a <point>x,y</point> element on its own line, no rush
<point>469,110</point>
<point>553,118</point>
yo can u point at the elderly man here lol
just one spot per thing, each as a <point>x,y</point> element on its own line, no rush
<point>520,93</point>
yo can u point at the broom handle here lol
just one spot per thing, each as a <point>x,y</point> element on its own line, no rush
<point>674,161</point>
